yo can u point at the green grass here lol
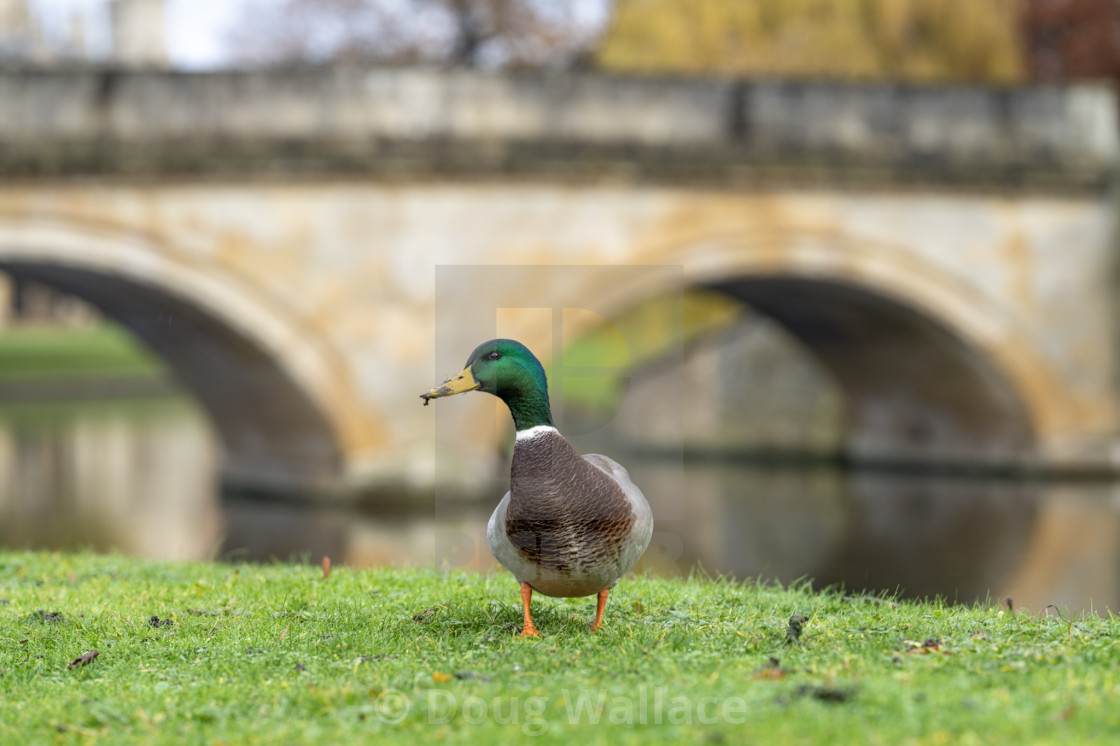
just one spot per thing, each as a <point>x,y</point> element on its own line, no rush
<point>278,654</point>
<point>105,351</point>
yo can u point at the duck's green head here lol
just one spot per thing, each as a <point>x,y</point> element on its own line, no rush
<point>507,369</point>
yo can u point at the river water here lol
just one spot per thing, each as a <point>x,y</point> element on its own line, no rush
<point>138,477</point>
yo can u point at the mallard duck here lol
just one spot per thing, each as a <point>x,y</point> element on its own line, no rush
<point>569,526</point>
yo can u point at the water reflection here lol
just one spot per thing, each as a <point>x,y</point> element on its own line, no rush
<point>955,537</point>
<point>139,479</point>
<point>131,476</point>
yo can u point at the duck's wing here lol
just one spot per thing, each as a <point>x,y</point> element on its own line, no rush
<point>617,472</point>
<point>643,524</point>
<point>496,537</point>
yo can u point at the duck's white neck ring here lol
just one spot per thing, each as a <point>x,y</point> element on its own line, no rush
<point>535,432</point>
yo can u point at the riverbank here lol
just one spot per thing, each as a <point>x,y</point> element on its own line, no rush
<point>262,654</point>
<point>54,363</point>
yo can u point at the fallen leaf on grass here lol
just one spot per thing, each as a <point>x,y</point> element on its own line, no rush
<point>932,645</point>
<point>768,674</point>
<point>828,694</point>
<point>440,678</point>
<point>83,659</point>
<point>423,616</point>
<point>472,676</point>
<point>53,617</point>
<point>772,671</point>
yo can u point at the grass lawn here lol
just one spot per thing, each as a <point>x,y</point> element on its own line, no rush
<point>278,654</point>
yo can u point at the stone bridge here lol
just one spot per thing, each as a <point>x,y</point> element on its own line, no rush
<point>948,254</point>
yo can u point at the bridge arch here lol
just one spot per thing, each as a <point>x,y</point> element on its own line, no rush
<point>912,387</point>
<point>280,400</point>
<point>929,367</point>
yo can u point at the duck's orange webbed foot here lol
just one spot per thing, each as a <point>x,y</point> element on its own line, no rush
<point>528,629</point>
<point>599,606</point>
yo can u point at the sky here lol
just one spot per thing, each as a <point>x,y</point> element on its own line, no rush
<point>195,28</point>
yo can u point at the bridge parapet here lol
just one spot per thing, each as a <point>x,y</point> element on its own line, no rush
<point>406,122</point>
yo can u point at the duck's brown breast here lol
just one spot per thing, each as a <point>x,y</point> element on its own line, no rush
<point>564,513</point>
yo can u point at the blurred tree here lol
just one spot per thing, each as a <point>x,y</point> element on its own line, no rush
<point>920,40</point>
<point>475,33</point>
<point>1069,39</point>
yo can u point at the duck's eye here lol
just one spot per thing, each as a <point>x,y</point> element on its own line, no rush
<point>494,356</point>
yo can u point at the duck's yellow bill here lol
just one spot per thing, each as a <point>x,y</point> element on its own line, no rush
<point>457,385</point>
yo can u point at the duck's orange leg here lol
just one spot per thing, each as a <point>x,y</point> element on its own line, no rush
<point>599,606</point>
<point>529,629</point>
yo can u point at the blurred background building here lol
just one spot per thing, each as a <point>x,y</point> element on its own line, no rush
<point>119,32</point>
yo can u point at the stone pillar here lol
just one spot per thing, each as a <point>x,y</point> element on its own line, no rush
<point>139,38</point>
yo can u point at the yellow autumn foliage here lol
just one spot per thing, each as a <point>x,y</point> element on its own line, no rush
<point>913,40</point>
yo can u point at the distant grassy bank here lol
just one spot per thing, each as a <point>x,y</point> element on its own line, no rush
<point>59,363</point>
<point>59,352</point>
<point>217,653</point>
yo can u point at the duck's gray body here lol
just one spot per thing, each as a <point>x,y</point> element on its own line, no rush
<point>570,525</point>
